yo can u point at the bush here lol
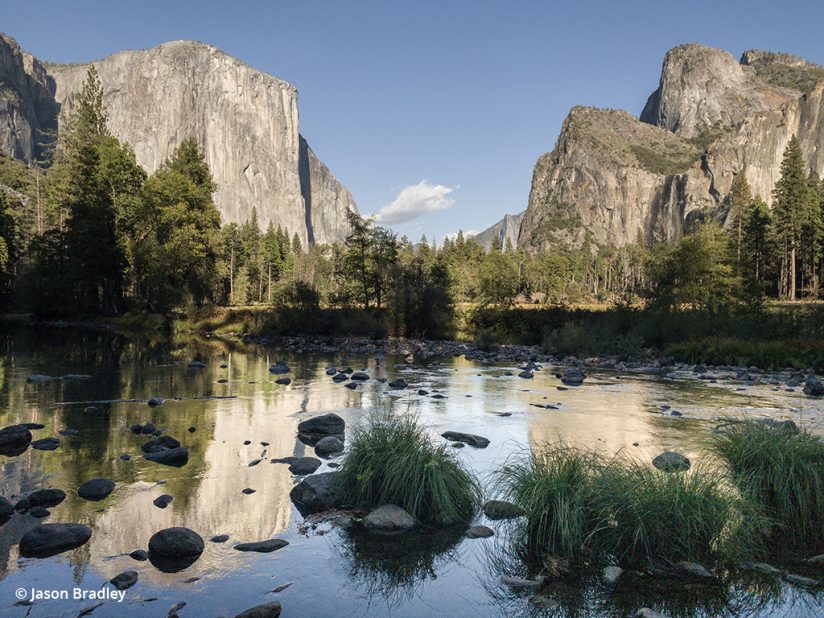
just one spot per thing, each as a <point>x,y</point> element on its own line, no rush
<point>393,461</point>
<point>486,341</point>
<point>782,470</point>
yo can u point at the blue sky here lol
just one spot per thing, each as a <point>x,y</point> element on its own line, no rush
<point>434,107</point>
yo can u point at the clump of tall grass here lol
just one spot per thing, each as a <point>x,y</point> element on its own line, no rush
<point>780,468</point>
<point>553,487</point>
<point>648,516</point>
<point>392,460</point>
<point>584,507</point>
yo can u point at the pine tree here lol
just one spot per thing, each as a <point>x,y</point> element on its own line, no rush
<point>740,201</point>
<point>789,198</point>
<point>756,245</point>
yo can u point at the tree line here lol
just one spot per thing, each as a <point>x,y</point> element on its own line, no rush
<point>91,232</point>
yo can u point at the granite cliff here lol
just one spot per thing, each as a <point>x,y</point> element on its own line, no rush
<point>246,122</point>
<point>614,179</point>
<point>504,231</point>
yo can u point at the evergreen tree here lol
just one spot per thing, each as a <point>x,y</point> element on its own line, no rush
<point>740,202</point>
<point>756,246</point>
<point>790,198</point>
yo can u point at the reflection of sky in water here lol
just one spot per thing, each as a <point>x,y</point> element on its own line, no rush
<point>330,573</point>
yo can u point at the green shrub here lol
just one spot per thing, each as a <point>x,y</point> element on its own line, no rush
<point>782,470</point>
<point>486,341</point>
<point>392,460</point>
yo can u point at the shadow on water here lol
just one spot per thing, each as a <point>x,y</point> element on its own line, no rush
<point>392,568</point>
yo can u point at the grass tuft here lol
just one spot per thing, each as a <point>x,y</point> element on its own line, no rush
<point>392,460</point>
<point>781,469</point>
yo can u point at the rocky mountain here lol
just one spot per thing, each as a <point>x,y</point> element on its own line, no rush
<point>614,179</point>
<point>246,122</point>
<point>504,231</point>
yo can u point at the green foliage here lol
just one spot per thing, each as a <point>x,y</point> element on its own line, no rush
<point>747,353</point>
<point>392,460</point>
<point>667,161</point>
<point>782,470</point>
<point>803,77</point>
<point>581,506</point>
<point>486,341</point>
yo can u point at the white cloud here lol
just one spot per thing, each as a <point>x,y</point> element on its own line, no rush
<point>414,201</point>
<point>467,234</point>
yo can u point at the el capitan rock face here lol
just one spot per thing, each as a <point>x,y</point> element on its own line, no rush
<point>246,122</point>
<point>614,179</point>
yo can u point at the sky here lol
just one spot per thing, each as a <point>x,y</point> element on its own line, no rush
<point>432,113</point>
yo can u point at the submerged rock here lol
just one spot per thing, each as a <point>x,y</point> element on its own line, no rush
<point>360,375</point>
<point>265,610</point>
<point>95,489</point>
<point>51,539</point>
<point>573,377</point>
<point>388,519</point>
<point>175,457</point>
<point>196,365</point>
<point>279,368</point>
<point>46,497</point>
<point>124,580</point>
<point>466,438</point>
<point>283,381</point>
<point>163,501</point>
<point>399,384</point>
<point>519,582</point>
<point>501,509</point>
<point>316,493</point>
<point>263,547</point>
<point>328,445</point>
<point>694,569</point>
<point>39,512</point>
<point>671,462</point>
<point>479,532</point>
<point>39,378</point>
<point>14,440</point>
<point>45,444</point>
<point>160,443</point>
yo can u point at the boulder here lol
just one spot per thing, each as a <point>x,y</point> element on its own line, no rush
<point>159,444</point>
<point>219,538</point>
<point>51,539</point>
<point>262,547</point>
<point>141,555</point>
<point>156,401</point>
<point>360,375</point>
<point>175,457</point>
<point>304,465</point>
<point>479,532</point>
<point>124,580</point>
<point>316,493</point>
<point>501,509</point>
<point>265,610</point>
<point>328,446</point>
<point>46,497</point>
<point>466,438</point>
<point>694,569</point>
<point>671,462</point>
<point>399,384</point>
<point>813,386</point>
<point>610,574</point>
<point>388,519</point>
<point>39,512</point>
<point>573,377</point>
<point>163,501</point>
<point>174,549</point>
<point>6,510</point>
<point>526,375</point>
<point>45,444</point>
<point>279,368</point>
<point>95,489</point>
<point>326,425</point>
<point>14,440</point>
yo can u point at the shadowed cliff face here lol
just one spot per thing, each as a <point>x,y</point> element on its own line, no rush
<point>615,179</point>
<point>245,121</point>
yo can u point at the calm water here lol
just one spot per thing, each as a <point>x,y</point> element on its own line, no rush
<point>331,572</point>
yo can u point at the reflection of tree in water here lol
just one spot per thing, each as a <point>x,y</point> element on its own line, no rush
<point>392,568</point>
<point>582,593</point>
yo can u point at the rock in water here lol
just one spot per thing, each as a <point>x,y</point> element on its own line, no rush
<point>316,493</point>
<point>327,425</point>
<point>124,580</point>
<point>573,377</point>
<point>500,509</point>
<point>174,549</point>
<point>6,510</point>
<point>466,438</point>
<point>156,401</point>
<point>51,539</point>
<point>328,446</point>
<point>163,501</point>
<point>14,440</point>
<point>45,444</point>
<point>46,497</point>
<point>388,519</point>
<point>610,574</point>
<point>265,610</point>
<point>175,457</point>
<point>479,532</point>
<point>813,386</point>
<point>304,465</point>
<point>263,547</point>
<point>159,443</point>
<point>671,462</point>
<point>95,489</point>
<point>398,384</point>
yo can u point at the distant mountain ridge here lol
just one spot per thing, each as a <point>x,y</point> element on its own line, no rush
<point>245,120</point>
<point>614,179</point>
<point>504,231</point>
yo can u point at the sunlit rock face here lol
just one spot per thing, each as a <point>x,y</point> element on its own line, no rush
<point>614,180</point>
<point>245,120</point>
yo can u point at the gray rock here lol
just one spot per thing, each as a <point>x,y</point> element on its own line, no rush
<point>466,438</point>
<point>326,425</point>
<point>51,539</point>
<point>611,574</point>
<point>196,365</point>
<point>573,377</point>
<point>388,519</point>
<point>219,538</point>
<point>159,444</point>
<point>761,567</point>
<point>174,543</point>
<point>351,385</point>
<point>519,582</point>
<point>283,381</point>
<point>360,375</point>
<point>671,462</point>
<point>279,369</point>
<point>163,501</point>
<point>526,375</point>
<point>6,510</point>
<point>398,384</point>
<point>156,401</point>
<point>39,379</point>
<point>265,610</point>
<point>141,555</point>
<point>328,445</point>
<point>46,497</point>
<point>14,440</point>
<point>813,386</point>
<point>95,489</point>
<point>500,509</point>
<point>316,493</point>
<point>694,569</point>
<point>45,444</point>
<point>263,547</point>
<point>39,512</point>
<point>800,580</point>
<point>124,580</point>
<point>815,559</point>
<point>304,465</point>
<point>479,532</point>
<point>175,457</point>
